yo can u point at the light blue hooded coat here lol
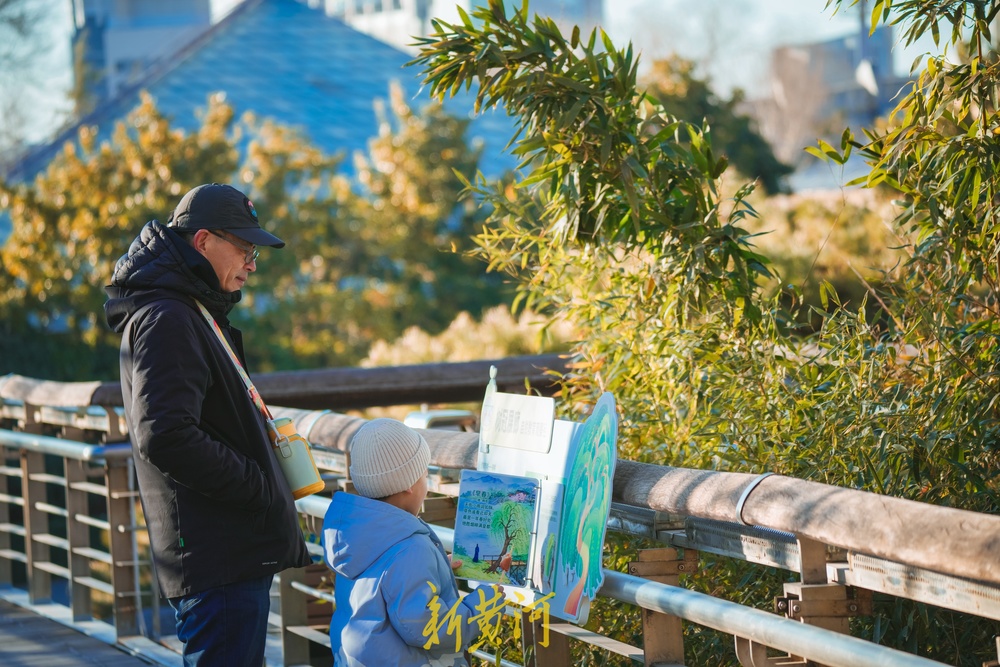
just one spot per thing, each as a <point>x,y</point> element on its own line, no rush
<point>386,561</point>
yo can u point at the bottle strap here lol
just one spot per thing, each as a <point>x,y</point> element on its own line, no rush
<point>252,390</point>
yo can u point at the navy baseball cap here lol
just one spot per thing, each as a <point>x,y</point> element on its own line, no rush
<point>223,207</point>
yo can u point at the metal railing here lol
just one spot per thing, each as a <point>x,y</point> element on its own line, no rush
<point>70,534</point>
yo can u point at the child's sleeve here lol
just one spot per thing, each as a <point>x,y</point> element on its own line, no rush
<point>424,611</point>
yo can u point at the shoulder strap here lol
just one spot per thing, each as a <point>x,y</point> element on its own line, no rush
<point>252,390</point>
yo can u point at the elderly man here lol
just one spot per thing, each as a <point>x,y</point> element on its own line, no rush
<point>220,514</point>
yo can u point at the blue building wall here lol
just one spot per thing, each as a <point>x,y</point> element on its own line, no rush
<point>286,61</point>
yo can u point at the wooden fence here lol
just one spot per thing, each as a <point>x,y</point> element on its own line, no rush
<point>72,543</point>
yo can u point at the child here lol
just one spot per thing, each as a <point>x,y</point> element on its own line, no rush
<point>394,586</point>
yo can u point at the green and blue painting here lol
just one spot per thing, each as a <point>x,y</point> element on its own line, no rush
<point>493,527</point>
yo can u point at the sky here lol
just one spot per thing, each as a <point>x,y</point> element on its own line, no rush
<point>46,96</point>
<point>49,95</point>
<point>730,39</point>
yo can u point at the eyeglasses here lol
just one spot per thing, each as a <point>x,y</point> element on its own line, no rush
<point>251,252</point>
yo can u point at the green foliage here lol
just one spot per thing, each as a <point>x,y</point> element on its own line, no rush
<point>418,219</point>
<point>601,168</point>
<point>369,261</point>
<point>672,83</point>
<point>840,238</point>
<point>72,224</point>
<point>938,150</point>
<point>363,262</point>
<point>497,335</point>
<point>510,524</point>
<point>620,225</point>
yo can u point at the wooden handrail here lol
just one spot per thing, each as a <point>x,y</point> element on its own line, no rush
<point>942,539</point>
<point>337,388</point>
<point>929,549</point>
<point>949,540</point>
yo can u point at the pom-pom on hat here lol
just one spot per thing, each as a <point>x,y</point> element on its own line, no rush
<point>387,457</point>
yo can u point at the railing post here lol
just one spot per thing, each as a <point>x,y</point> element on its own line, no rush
<point>815,601</point>
<point>994,663</point>
<point>78,535</point>
<point>662,634</point>
<point>7,527</point>
<point>303,611</point>
<point>156,604</point>
<point>542,648</point>
<point>121,542</point>
<point>751,654</point>
<point>36,523</point>
<point>294,648</point>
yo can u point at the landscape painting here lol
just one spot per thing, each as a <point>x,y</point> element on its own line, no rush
<point>494,527</point>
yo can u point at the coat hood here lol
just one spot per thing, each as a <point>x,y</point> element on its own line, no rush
<point>161,264</point>
<point>349,527</point>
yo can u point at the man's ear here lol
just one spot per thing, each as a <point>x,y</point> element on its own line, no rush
<point>199,240</point>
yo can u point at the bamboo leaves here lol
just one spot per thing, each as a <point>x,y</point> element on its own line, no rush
<point>609,167</point>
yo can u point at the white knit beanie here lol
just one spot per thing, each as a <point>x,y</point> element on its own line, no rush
<point>387,457</point>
